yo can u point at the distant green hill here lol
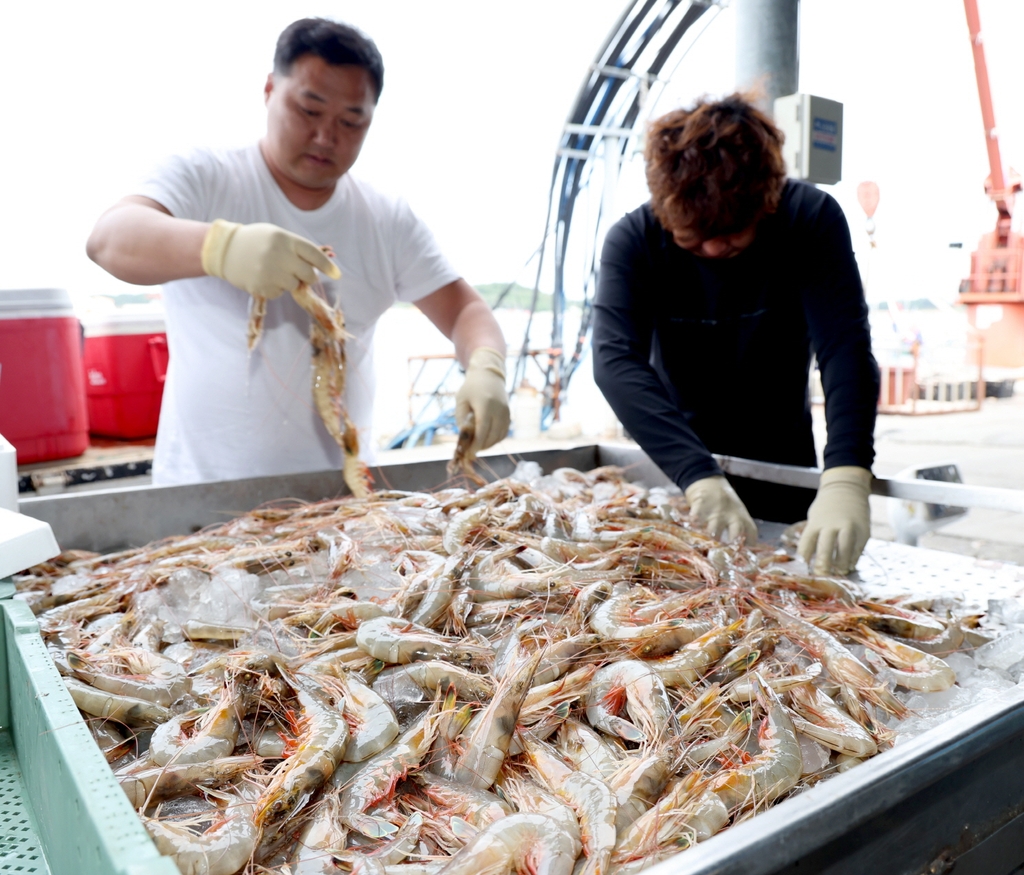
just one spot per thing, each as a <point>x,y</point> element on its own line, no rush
<point>519,297</point>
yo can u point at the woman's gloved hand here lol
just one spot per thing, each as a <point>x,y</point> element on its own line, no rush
<point>263,259</point>
<point>838,521</point>
<point>714,502</point>
<point>483,394</point>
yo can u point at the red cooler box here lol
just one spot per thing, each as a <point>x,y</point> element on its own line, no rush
<point>42,384</point>
<point>125,365</point>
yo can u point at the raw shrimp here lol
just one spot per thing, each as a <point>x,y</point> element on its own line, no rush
<point>391,639</point>
<point>638,784</point>
<point>724,738</point>
<point>341,549</point>
<point>560,656</point>
<point>902,621</point>
<point>447,746</point>
<point>257,316</point>
<point>438,599</point>
<point>612,621</point>
<point>478,807</point>
<point>854,678</point>
<point>913,669</point>
<point>152,785</point>
<point>438,595</point>
<point>222,850</point>
<point>464,526</point>
<point>593,801</point>
<point>124,709</point>
<point>686,665</point>
<point>148,676</point>
<point>401,845</point>
<point>198,630</point>
<point>771,773</point>
<point>321,837</point>
<point>815,587</point>
<point>372,723</point>
<point>110,741</point>
<point>345,612</point>
<point>488,744</point>
<point>635,685</point>
<point>327,339</point>
<point>685,814</point>
<point>431,868</point>
<point>587,750</point>
<point>818,717</point>
<point>316,756</point>
<point>528,844</point>
<point>757,644</point>
<point>566,689</point>
<point>530,797</point>
<point>432,673</point>
<point>462,461</point>
<point>745,689</point>
<point>270,743</point>
<point>215,737</point>
<point>376,778</point>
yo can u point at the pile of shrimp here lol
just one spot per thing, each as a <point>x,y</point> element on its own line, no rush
<point>570,676</point>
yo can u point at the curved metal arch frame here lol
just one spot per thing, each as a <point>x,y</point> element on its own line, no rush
<point>610,100</point>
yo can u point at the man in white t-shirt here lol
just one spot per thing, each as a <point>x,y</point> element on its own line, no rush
<point>218,227</point>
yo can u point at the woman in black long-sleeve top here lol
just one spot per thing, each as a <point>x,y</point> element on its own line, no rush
<point>711,300</point>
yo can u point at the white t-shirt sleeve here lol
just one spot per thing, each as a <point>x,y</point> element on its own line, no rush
<point>420,267</point>
<point>184,185</point>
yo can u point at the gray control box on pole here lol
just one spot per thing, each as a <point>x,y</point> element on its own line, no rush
<point>814,137</point>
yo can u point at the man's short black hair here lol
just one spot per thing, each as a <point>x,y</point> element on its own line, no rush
<point>334,42</point>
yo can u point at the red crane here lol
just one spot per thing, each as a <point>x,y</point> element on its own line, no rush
<point>994,293</point>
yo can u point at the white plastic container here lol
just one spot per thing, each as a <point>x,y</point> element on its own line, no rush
<point>527,409</point>
<point>8,475</point>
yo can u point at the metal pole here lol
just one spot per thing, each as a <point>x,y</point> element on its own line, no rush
<point>767,49</point>
<point>988,115</point>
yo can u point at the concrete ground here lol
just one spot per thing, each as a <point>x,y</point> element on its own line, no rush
<point>988,446</point>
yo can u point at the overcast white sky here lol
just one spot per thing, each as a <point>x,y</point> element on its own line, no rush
<point>475,96</point>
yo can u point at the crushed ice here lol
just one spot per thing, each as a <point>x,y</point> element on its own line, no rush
<point>981,673</point>
<point>224,599</point>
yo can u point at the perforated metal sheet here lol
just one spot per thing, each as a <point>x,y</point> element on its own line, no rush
<point>20,852</point>
<point>890,569</point>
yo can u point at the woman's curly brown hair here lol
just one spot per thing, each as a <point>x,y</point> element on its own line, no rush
<point>714,169</point>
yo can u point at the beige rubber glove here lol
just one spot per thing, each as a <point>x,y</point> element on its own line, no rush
<point>838,521</point>
<point>714,502</point>
<point>483,393</point>
<point>262,259</point>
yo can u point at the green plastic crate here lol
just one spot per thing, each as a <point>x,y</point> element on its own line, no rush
<point>61,811</point>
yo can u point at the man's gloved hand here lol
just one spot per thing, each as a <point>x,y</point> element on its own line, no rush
<point>715,503</point>
<point>838,521</point>
<point>263,259</point>
<point>483,394</point>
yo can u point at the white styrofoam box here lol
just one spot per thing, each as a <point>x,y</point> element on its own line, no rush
<point>8,475</point>
<point>813,126</point>
<point>24,542</point>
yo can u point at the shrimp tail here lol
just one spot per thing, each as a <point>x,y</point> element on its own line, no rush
<point>257,316</point>
<point>462,461</point>
<point>355,471</point>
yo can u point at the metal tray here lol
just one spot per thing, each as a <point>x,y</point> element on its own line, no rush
<point>950,800</point>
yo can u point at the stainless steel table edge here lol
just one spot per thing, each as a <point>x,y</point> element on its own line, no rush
<point>112,519</point>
